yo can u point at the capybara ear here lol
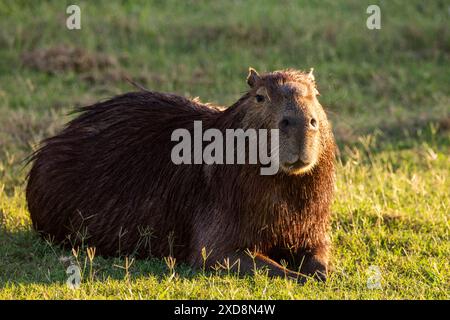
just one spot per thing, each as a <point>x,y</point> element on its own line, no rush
<point>313,80</point>
<point>311,75</point>
<point>252,77</point>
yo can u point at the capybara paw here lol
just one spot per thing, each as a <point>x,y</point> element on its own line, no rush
<point>320,275</point>
<point>315,269</point>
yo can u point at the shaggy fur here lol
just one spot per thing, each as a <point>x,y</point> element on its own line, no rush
<point>107,180</point>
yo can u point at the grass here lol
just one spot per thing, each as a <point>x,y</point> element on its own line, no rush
<point>386,92</point>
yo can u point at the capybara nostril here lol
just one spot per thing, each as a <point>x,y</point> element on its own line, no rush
<point>313,124</point>
<point>284,124</point>
<point>288,122</point>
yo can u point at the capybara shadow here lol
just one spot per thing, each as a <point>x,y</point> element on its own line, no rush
<point>108,180</point>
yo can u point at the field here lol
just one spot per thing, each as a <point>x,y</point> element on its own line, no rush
<point>386,92</point>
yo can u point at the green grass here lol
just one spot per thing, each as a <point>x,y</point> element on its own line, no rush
<point>387,93</point>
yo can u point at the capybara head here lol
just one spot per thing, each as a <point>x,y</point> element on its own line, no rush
<point>287,100</point>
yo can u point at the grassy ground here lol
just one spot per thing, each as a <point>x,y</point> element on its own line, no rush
<point>386,91</point>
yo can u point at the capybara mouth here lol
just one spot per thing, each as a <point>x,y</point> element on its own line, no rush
<point>298,167</point>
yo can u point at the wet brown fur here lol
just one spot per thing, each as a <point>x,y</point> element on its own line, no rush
<point>107,180</point>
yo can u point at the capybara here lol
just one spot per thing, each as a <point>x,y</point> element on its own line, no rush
<point>107,180</point>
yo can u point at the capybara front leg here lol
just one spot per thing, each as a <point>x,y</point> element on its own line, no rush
<point>247,262</point>
<point>315,263</point>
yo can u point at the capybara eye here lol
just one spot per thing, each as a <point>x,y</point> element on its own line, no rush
<point>259,98</point>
